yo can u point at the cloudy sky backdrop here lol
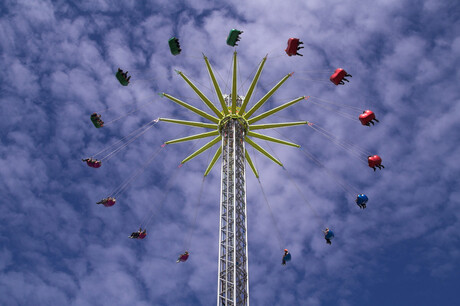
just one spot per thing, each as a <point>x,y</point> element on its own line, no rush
<point>58,59</point>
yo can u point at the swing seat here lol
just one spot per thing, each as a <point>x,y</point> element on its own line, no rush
<point>94,163</point>
<point>183,257</point>
<point>366,117</point>
<point>361,199</point>
<point>292,45</point>
<point>110,202</point>
<point>329,235</point>
<point>287,257</point>
<point>233,37</point>
<point>98,123</point>
<point>121,78</point>
<point>174,46</point>
<point>338,76</point>
<point>374,161</point>
<point>142,235</point>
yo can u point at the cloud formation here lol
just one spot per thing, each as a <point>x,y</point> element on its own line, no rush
<point>58,248</point>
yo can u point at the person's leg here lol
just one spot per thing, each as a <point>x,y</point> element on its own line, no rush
<point>376,120</point>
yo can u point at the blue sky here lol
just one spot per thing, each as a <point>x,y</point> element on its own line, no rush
<point>57,247</point>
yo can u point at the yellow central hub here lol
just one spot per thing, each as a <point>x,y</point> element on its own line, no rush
<point>244,123</point>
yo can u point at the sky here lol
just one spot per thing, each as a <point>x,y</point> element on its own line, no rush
<point>58,58</point>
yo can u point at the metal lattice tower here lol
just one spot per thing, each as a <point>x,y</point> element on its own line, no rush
<point>233,284</point>
<point>233,126</point>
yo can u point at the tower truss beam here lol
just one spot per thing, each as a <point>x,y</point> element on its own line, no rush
<point>233,282</point>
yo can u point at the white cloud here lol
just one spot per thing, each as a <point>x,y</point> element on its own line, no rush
<point>59,63</point>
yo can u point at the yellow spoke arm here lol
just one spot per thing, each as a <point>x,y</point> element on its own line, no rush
<point>201,95</point>
<point>213,161</point>
<point>251,164</point>
<point>193,137</point>
<point>275,110</point>
<point>261,150</point>
<point>234,84</point>
<point>191,123</point>
<point>266,97</point>
<point>192,108</point>
<point>216,86</point>
<point>272,139</point>
<point>202,149</point>
<point>275,125</point>
<point>252,86</point>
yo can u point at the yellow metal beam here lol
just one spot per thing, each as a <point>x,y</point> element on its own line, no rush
<point>191,123</point>
<point>266,97</point>
<point>275,125</point>
<point>252,86</point>
<point>202,149</point>
<point>275,110</point>
<point>216,86</point>
<point>193,137</point>
<point>192,108</point>
<point>213,161</point>
<point>251,164</point>
<point>261,150</point>
<point>234,85</point>
<point>201,95</point>
<point>272,139</point>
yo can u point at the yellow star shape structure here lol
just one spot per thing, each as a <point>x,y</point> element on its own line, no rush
<point>233,112</point>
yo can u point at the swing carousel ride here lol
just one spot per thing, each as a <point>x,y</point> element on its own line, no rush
<point>235,125</point>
